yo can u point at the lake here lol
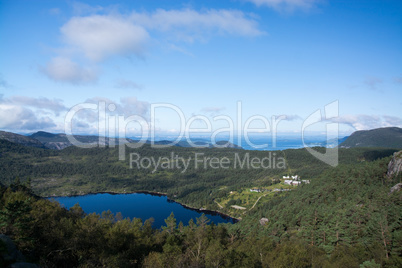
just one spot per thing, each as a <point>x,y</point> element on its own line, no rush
<point>139,205</point>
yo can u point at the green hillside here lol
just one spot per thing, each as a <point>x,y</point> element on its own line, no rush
<point>20,139</point>
<point>348,205</point>
<point>390,137</point>
<point>346,216</point>
<point>75,170</point>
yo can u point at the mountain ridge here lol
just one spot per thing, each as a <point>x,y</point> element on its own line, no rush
<point>388,137</point>
<point>59,141</point>
<point>21,139</point>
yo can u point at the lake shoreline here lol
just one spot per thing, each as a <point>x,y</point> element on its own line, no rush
<point>201,210</point>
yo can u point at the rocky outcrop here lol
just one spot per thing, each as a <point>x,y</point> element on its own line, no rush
<point>396,188</point>
<point>264,221</point>
<point>57,145</point>
<point>395,165</point>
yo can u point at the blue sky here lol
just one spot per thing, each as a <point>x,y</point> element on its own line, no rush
<point>275,57</point>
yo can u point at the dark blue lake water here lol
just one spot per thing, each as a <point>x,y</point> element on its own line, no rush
<point>139,205</point>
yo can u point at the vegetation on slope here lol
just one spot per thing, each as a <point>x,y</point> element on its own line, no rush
<point>78,171</point>
<point>345,217</point>
<point>389,137</point>
<point>55,237</point>
<point>20,139</point>
<point>349,206</point>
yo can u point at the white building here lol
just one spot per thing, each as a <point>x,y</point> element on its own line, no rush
<point>255,190</point>
<point>292,182</point>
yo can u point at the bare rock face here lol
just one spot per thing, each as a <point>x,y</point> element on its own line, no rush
<point>264,221</point>
<point>57,145</point>
<point>395,165</point>
<point>396,188</point>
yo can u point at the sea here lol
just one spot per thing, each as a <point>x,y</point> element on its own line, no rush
<point>259,142</point>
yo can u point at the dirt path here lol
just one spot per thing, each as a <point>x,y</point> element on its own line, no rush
<point>219,205</point>
<point>257,201</point>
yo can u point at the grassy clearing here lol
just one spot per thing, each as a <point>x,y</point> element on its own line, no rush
<point>247,199</point>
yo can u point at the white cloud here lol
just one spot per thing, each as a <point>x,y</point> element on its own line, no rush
<point>82,8</point>
<point>14,115</point>
<point>393,120</point>
<point>132,106</point>
<point>365,122</point>
<point>127,84</point>
<point>96,37</point>
<point>188,24</point>
<point>100,36</point>
<point>54,105</point>
<point>287,5</point>
<point>88,121</point>
<point>126,107</point>
<point>65,70</point>
<point>20,113</point>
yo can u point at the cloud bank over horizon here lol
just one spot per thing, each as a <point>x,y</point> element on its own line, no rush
<point>27,114</point>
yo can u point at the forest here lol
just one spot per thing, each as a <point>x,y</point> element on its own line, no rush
<point>77,171</point>
<point>346,216</point>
